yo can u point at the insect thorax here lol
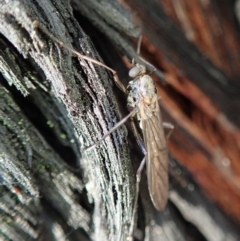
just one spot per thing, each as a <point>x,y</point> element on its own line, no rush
<point>142,91</point>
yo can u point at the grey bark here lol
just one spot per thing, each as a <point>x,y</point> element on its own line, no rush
<point>52,105</point>
<point>74,98</point>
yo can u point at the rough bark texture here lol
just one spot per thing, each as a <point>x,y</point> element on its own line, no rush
<point>69,104</point>
<point>52,104</point>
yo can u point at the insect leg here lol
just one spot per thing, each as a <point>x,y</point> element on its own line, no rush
<point>153,69</point>
<point>139,44</point>
<point>144,60</point>
<point>37,25</point>
<point>170,128</point>
<point>138,137</point>
<point>120,123</point>
<point>138,176</point>
<point>119,83</point>
<point>138,179</point>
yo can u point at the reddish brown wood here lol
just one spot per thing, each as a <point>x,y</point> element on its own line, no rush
<point>205,140</point>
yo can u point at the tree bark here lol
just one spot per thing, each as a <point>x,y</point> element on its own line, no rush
<point>68,104</point>
<point>53,104</point>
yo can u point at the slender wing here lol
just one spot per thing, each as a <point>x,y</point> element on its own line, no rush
<point>157,156</point>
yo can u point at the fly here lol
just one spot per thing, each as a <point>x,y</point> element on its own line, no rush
<point>143,97</point>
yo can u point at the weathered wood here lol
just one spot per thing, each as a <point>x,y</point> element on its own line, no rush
<point>74,104</point>
<point>57,193</point>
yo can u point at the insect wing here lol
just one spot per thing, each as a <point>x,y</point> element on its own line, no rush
<point>157,156</point>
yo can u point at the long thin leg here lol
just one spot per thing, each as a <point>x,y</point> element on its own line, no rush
<point>138,137</point>
<point>170,128</point>
<point>138,179</point>
<point>120,123</point>
<point>139,44</point>
<point>158,72</point>
<point>36,25</point>
<point>138,53</point>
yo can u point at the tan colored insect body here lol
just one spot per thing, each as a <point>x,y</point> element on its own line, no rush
<point>143,95</point>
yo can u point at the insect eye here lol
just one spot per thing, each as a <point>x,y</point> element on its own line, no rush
<point>133,72</point>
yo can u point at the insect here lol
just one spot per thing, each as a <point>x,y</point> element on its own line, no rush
<point>143,96</point>
<point>142,102</point>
